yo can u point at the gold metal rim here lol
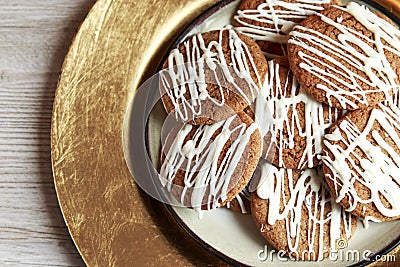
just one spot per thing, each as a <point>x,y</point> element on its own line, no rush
<point>110,220</point>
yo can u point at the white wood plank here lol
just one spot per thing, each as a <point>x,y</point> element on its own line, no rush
<point>34,39</point>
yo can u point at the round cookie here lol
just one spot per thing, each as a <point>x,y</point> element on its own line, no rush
<point>207,166</point>
<point>346,57</point>
<point>241,203</point>
<point>269,22</point>
<point>295,213</point>
<point>293,138</point>
<point>361,162</point>
<point>211,76</point>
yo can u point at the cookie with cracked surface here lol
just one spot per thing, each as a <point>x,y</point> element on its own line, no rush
<point>207,166</point>
<point>347,57</point>
<point>211,76</point>
<point>294,132</point>
<point>361,162</point>
<point>295,213</point>
<point>269,22</point>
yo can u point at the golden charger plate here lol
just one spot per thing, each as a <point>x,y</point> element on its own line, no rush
<point>112,222</point>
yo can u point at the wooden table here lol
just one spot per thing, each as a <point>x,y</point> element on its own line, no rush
<point>34,39</point>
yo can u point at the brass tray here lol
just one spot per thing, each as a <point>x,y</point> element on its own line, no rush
<point>112,222</point>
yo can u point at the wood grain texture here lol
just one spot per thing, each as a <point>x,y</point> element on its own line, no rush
<point>34,39</point>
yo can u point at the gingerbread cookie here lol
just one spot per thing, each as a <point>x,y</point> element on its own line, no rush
<point>269,22</point>
<point>362,162</point>
<point>241,203</point>
<point>295,213</point>
<point>212,76</point>
<point>293,137</point>
<point>346,57</point>
<point>207,166</point>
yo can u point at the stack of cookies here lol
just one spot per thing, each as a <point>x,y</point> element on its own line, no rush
<point>292,113</point>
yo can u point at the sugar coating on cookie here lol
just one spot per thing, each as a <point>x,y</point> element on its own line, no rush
<point>211,76</point>
<point>295,212</point>
<point>269,21</point>
<point>206,166</point>
<point>293,136</point>
<point>362,162</point>
<point>347,57</point>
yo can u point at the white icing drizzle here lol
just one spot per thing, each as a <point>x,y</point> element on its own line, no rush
<point>241,203</point>
<point>276,18</point>
<point>394,100</point>
<point>199,156</point>
<point>279,100</point>
<point>187,73</point>
<point>368,219</point>
<point>346,88</point>
<point>308,190</point>
<point>243,196</point>
<point>377,169</point>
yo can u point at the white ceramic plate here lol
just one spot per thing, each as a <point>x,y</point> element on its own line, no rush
<point>233,236</point>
